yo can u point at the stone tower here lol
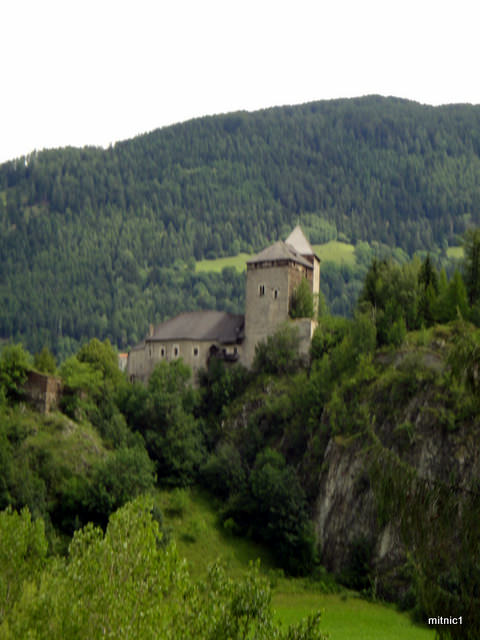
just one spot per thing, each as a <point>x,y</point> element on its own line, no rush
<point>272,277</point>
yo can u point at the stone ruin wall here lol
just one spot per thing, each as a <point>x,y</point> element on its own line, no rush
<point>43,391</point>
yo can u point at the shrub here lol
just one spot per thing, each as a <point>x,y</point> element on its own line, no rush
<point>14,364</point>
<point>23,551</point>
<point>122,476</point>
<point>126,583</point>
<point>358,572</point>
<point>223,472</point>
<point>44,361</point>
<point>301,303</point>
<point>279,354</point>
<point>273,509</point>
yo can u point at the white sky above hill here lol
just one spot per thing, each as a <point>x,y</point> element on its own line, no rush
<point>97,71</point>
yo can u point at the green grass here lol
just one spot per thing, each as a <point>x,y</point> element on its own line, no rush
<point>201,540</point>
<point>348,617</point>
<point>455,252</point>
<point>220,263</point>
<point>333,251</point>
<point>192,517</point>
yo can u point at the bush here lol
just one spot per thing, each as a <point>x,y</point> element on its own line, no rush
<point>126,583</point>
<point>358,572</point>
<point>44,361</point>
<point>273,509</point>
<point>14,364</point>
<point>330,332</point>
<point>219,386</point>
<point>223,473</point>
<point>301,303</point>
<point>279,354</point>
<point>122,476</point>
<point>23,551</point>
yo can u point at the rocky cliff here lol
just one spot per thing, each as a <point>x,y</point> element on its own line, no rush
<point>397,503</point>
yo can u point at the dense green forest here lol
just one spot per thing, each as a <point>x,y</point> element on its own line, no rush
<point>380,391</point>
<point>101,242</point>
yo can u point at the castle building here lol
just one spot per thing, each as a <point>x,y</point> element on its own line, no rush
<point>273,275</point>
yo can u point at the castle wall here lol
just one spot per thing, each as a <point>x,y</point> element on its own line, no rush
<point>296,273</point>
<point>194,353</point>
<point>306,328</point>
<point>136,365</point>
<point>265,309</point>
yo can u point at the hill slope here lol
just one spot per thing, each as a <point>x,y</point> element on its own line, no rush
<point>89,237</point>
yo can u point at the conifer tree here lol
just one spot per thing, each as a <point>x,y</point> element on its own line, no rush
<point>471,269</point>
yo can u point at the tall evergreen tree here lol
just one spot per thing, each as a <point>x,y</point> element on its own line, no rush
<point>471,269</point>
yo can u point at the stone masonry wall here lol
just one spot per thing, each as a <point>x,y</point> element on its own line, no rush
<point>43,391</point>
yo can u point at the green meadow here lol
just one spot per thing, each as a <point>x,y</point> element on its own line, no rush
<point>348,617</point>
<point>191,518</point>
<point>455,252</point>
<point>333,251</point>
<point>220,263</point>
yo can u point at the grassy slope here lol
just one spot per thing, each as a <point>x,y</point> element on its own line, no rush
<point>455,252</point>
<point>68,446</point>
<point>332,251</point>
<point>220,263</point>
<point>337,252</point>
<point>202,542</point>
<point>349,617</point>
<point>346,616</point>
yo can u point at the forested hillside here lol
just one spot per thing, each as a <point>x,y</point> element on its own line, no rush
<point>100,242</point>
<point>360,460</point>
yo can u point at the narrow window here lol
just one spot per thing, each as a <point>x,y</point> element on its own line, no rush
<point>162,352</point>
<point>275,293</point>
<point>175,351</point>
<point>195,351</point>
<point>261,290</point>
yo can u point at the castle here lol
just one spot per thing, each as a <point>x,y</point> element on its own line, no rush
<point>273,275</point>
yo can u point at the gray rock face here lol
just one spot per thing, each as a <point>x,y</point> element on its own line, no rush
<point>345,510</point>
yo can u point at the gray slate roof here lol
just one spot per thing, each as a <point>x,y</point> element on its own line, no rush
<point>279,251</point>
<point>218,326</point>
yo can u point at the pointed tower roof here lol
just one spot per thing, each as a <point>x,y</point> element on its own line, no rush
<point>299,242</point>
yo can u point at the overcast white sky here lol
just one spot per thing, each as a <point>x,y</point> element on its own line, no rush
<point>97,71</point>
